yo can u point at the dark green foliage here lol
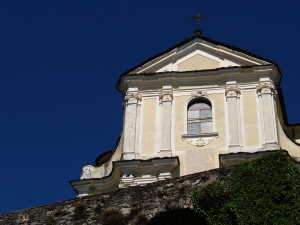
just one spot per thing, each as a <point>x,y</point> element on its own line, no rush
<point>112,216</point>
<point>261,191</point>
<point>141,219</point>
<point>80,212</point>
<point>135,210</point>
<point>178,217</point>
<point>211,201</point>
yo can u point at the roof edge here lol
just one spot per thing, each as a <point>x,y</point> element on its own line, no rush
<point>205,39</point>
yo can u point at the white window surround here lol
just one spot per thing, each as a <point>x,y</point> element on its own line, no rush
<point>199,139</point>
<point>200,135</point>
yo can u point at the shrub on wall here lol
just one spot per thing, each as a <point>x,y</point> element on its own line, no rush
<point>265,190</point>
<point>113,216</point>
<point>80,212</point>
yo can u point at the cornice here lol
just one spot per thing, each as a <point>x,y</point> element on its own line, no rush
<point>202,76</point>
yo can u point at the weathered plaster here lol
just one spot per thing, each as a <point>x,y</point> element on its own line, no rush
<point>250,121</point>
<point>149,126</point>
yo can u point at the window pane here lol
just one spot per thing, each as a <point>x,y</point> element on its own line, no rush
<point>205,114</point>
<point>193,128</point>
<point>199,105</point>
<point>193,114</point>
<point>206,127</point>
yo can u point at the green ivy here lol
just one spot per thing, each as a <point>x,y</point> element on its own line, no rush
<point>265,190</point>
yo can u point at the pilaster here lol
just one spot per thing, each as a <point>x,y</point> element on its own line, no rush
<point>232,93</point>
<point>165,101</point>
<point>131,124</point>
<point>267,100</point>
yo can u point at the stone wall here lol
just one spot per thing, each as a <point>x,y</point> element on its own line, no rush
<point>148,200</point>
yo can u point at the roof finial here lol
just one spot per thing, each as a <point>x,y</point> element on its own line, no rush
<point>197,19</point>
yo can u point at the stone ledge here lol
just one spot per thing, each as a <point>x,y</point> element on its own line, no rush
<point>153,198</point>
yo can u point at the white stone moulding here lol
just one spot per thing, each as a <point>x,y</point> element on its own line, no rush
<point>165,96</point>
<point>200,140</point>
<point>232,91</point>
<point>141,172</point>
<point>131,98</point>
<point>198,94</point>
<point>265,88</point>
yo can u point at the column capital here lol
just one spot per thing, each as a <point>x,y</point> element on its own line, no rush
<point>132,98</point>
<point>232,91</point>
<point>165,96</point>
<point>266,88</point>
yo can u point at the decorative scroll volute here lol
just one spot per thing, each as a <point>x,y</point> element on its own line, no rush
<point>165,96</point>
<point>200,141</point>
<point>132,98</point>
<point>232,91</point>
<point>197,94</point>
<point>266,88</point>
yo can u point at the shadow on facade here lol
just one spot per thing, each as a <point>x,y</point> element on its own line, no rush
<point>178,217</point>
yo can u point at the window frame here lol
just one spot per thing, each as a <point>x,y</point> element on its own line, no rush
<point>198,120</point>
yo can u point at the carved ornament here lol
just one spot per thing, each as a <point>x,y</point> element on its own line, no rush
<point>165,96</point>
<point>264,88</point>
<point>200,141</point>
<point>86,172</point>
<point>131,98</point>
<point>197,94</point>
<point>231,91</point>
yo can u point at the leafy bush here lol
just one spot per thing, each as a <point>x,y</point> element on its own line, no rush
<point>135,209</point>
<point>141,219</point>
<point>265,190</point>
<point>113,216</point>
<point>80,212</point>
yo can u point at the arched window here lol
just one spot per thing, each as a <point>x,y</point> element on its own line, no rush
<point>199,117</point>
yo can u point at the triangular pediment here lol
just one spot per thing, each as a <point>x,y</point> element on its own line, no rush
<point>198,53</point>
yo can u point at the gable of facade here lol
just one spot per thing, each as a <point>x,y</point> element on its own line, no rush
<point>167,133</point>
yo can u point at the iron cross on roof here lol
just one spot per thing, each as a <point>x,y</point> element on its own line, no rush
<point>197,19</point>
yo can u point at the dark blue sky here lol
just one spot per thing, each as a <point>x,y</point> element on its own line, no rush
<point>60,62</point>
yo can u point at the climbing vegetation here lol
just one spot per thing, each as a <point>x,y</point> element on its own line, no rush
<point>265,190</point>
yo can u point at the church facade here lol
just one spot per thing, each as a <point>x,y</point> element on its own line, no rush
<point>196,106</point>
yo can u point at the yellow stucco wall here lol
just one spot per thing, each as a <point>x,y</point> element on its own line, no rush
<point>288,130</point>
<point>287,144</point>
<point>197,62</point>
<point>149,126</point>
<point>181,169</point>
<point>250,118</point>
<point>180,116</point>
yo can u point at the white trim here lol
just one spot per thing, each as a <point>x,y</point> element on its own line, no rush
<point>243,130</point>
<point>159,125</point>
<point>238,99</point>
<point>226,120</point>
<point>173,107</point>
<point>206,97</point>
<point>141,126</point>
